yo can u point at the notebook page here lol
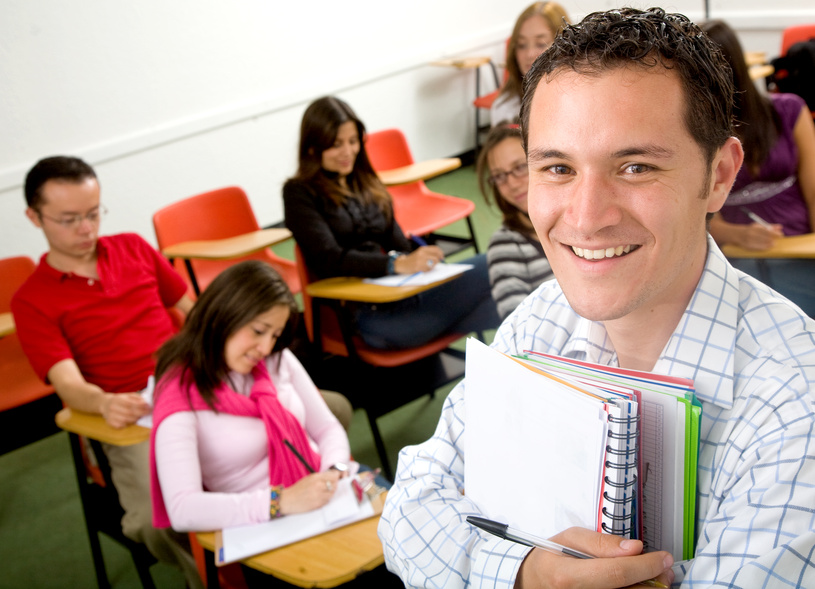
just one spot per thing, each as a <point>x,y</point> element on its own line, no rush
<point>534,448</point>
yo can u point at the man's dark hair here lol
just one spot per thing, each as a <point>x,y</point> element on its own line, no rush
<point>647,39</point>
<point>59,167</point>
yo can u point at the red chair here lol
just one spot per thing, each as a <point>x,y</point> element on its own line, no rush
<point>418,210</point>
<point>377,383</point>
<point>27,404</point>
<point>796,34</point>
<point>218,214</point>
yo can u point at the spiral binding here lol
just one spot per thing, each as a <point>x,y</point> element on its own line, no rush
<point>617,510</point>
<point>623,501</point>
<point>621,532</point>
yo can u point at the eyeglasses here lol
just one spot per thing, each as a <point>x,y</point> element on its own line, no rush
<point>519,171</point>
<point>73,221</point>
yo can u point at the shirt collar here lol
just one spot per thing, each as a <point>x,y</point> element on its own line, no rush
<point>701,347</point>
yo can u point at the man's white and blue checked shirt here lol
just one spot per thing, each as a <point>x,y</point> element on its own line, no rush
<point>751,354</point>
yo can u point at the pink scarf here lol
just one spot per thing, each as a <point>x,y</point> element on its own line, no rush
<point>284,467</point>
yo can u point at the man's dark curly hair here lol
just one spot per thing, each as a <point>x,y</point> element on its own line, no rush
<point>606,40</point>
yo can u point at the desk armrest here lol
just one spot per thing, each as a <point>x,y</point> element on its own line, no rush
<point>96,428</point>
<point>797,246</point>
<point>418,171</point>
<point>6,324</point>
<point>346,288</point>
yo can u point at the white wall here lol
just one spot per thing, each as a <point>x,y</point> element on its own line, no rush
<point>169,99</point>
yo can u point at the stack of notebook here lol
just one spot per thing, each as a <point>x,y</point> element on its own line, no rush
<point>553,443</point>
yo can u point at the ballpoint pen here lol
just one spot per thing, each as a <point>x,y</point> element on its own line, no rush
<point>299,456</point>
<point>507,533</point>
<point>755,218</point>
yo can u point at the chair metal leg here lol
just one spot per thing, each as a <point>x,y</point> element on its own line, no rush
<point>93,536</point>
<point>472,234</point>
<point>380,447</point>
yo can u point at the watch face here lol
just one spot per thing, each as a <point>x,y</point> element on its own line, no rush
<point>340,466</point>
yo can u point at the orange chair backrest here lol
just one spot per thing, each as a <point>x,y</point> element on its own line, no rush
<point>217,214</point>
<point>388,149</point>
<point>13,272</point>
<point>330,332</point>
<point>18,383</point>
<point>796,34</point>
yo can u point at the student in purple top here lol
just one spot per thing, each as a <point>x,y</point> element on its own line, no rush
<point>775,185</point>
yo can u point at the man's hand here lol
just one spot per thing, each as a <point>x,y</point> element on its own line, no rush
<point>619,563</point>
<point>121,409</point>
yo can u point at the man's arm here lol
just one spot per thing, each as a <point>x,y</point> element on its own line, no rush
<point>118,409</point>
<point>184,305</point>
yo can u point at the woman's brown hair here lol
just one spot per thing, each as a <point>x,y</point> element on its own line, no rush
<point>756,121</point>
<point>513,217</point>
<point>555,16</point>
<point>236,296</point>
<point>318,132</point>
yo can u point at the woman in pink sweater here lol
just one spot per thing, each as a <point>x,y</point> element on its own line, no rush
<point>231,403</point>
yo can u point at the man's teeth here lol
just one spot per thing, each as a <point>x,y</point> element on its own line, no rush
<point>609,252</point>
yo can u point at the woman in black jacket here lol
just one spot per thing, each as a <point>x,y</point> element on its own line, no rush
<point>341,216</point>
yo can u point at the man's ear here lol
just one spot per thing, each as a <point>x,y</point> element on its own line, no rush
<point>726,164</point>
<point>34,217</point>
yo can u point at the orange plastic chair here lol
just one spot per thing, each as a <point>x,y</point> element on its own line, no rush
<point>329,324</point>
<point>27,404</point>
<point>796,34</point>
<point>418,210</point>
<point>217,214</point>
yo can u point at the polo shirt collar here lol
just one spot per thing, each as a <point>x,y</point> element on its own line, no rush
<point>102,253</point>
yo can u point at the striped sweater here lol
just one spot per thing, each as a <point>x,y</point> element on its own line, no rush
<point>517,265</point>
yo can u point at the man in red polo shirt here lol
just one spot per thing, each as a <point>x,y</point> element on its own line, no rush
<point>90,318</point>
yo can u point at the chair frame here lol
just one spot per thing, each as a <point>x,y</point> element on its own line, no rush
<point>103,514</point>
<point>410,373</point>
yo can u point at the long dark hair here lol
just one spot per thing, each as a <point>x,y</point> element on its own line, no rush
<point>236,296</point>
<point>318,131</point>
<point>757,122</point>
<point>513,217</point>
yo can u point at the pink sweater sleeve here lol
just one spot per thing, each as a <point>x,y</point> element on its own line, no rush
<point>189,506</point>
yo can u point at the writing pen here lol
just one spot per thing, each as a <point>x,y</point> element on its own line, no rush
<point>419,241</point>
<point>299,456</point>
<point>507,533</point>
<point>755,218</point>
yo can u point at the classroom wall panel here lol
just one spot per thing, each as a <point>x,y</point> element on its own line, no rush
<point>169,99</point>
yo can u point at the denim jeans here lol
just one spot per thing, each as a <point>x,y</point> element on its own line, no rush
<point>461,305</point>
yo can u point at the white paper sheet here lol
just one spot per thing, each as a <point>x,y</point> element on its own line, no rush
<point>534,448</point>
<point>439,272</point>
<point>241,542</point>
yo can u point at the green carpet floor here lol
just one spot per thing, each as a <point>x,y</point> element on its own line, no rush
<point>42,535</point>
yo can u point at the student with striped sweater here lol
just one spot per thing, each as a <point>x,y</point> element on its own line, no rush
<point>515,258</point>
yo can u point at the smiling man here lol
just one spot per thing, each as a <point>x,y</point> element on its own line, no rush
<point>627,125</point>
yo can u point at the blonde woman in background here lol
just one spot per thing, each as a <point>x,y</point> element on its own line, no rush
<point>534,31</point>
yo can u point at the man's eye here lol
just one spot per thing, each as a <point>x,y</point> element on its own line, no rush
<point>560,169</point>
<point>637,168</point>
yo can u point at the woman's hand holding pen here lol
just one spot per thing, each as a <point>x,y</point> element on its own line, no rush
<point>618,563</point>
<point>309,493</point>
<point>420,260</point>
<point>757,237</point>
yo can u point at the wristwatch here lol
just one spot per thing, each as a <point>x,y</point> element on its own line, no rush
<point>339,466</point>
<point>393,255</point>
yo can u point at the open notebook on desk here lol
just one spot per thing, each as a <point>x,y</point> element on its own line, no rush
<point>552,443</point>
<point>239,542</point>
<point>437,273</point>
